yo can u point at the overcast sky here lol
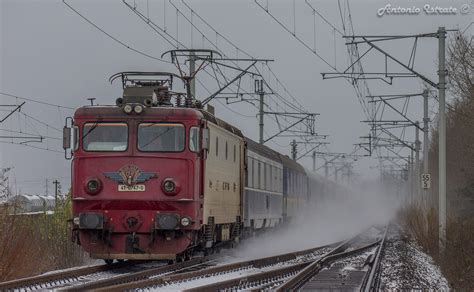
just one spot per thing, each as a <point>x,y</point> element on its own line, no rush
<point>50,54</point>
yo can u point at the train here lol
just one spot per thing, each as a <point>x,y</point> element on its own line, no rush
<point>160,179</point>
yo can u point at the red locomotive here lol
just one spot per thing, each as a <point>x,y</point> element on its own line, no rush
<point>157,177</point>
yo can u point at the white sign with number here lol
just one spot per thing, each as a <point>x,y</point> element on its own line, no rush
<point>426,180</point>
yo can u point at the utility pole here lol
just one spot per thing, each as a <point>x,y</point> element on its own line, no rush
<point>417,162</point>
<point>410,177</point>
<point>426,143</point>
<point>192,69</point>
<point>261,93</point>
<point>412,172</point>
<point>294,151</point>
<point>56,192</point>
<point>326,169</point>
<point>442,137</point>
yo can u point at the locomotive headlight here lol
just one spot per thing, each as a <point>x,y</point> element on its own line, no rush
<point>93,186</point>
<point>185,221</point>
<point>127,108</point>
<point>138,109</point>
<point>169,186</point>
<point>91,221</point>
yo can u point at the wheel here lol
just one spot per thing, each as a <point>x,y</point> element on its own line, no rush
<point>109,261</point>
<point>187,256</point>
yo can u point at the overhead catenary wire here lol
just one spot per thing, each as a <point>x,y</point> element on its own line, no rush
<point>151,23</point>
<point>299,108</point>
<point>112,37</point>
<point>123,43</point>
<point>37,101</point>
<point>32,146</point>
<point>239,49</point>
<point>295,36</point>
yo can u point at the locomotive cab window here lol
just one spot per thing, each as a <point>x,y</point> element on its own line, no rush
<point>161,137</point>
<point>194,139</point>
<point>103,136</point>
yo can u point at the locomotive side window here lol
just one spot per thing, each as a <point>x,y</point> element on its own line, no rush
<point>105,136</point>
<point>194,139</point>
<point>161,137</point>
<point>76,138</point>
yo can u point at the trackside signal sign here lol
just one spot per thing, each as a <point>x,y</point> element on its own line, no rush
<point>426,181</point>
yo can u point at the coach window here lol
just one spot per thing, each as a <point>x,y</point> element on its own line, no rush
<point>260,175</point>
<point>194,139</point>
<point>249,172</point>
<point>268,177</point>
<point>98,136</point>
<point>280,180</point>
<point>274,179</point>
<point>235,154</point>
<point>226,150</point>
<point>255,174</point>
<point>217,146</point>
<point>161,137</point>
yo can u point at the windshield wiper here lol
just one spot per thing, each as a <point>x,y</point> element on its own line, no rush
<point>91,129</point>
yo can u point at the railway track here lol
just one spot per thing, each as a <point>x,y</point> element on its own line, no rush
<point>51,280</point>
<point>354,265</point>
<point>93,276</point>
<point>294,275</point>
<point>175,280</point>
<point>306,269</point>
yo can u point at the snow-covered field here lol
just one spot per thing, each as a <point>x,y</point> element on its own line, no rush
<point>406,266</point>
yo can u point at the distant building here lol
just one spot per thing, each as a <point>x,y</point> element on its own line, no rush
<point>32,203</point>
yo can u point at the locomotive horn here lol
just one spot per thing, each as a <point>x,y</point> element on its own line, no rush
<point>148,102</point>
<point>119,102</point>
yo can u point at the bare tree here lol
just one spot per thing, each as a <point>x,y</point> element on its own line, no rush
<point>460,65</point>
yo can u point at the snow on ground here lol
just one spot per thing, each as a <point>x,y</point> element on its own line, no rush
<point>406,266</point>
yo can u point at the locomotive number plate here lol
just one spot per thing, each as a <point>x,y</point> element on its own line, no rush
<point>134,188</point>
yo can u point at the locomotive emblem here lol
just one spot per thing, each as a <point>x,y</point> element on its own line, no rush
<point>130,175</point>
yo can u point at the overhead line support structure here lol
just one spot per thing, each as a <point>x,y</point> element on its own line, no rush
<point>370,40</point>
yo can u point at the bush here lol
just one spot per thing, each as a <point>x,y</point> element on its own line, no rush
<point>457,260</point>
<point>31,244</point>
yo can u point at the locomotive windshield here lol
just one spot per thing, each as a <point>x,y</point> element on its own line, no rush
<point>105,136</point>
<point>161,137</point>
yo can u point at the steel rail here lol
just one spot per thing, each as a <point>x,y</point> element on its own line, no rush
<point>137,276</point>
<point>276,275</point>
<point>314,268</point>
<point>42,280</point>
<point>175,277</point>
<point>372,282</point>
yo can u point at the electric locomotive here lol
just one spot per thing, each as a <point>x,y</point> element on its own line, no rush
<point>157,177</point>
<point>143,184</point>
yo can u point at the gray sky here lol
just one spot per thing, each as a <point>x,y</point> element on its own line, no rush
<point>48,53</point>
